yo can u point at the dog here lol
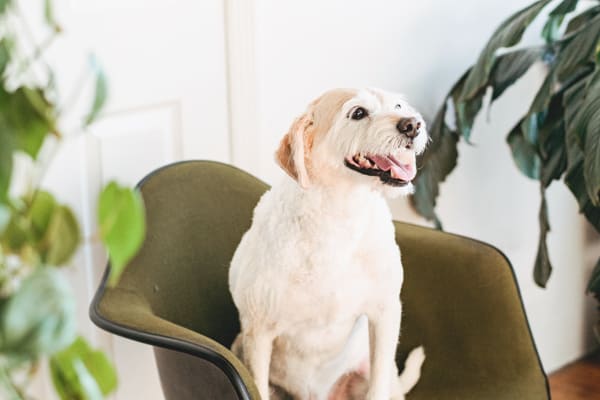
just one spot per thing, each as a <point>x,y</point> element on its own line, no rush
<point>317,277</point>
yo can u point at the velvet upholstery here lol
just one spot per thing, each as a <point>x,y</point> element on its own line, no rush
<point>460,297</point>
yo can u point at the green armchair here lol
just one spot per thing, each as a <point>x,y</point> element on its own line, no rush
<point>460,298</point>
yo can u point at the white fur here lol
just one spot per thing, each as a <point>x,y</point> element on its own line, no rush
<point>317,277</point>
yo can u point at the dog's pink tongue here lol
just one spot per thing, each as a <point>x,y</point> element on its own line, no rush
<point>403,166</point>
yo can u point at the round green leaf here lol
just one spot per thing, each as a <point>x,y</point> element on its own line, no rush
<point>122,225</point>
<point>28,116</point>
<point>79,372</point>
<point>41,211</point>
<point>62,237</point>
<point>39,318</point>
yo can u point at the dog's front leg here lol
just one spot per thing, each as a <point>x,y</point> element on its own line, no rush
<point>384,328</point>
<point>258,345</point>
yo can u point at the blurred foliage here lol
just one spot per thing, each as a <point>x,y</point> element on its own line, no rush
<point>38,234</point>
<point>558,138</point>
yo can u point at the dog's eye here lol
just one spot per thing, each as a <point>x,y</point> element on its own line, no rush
<point>359,113</point>
<point>398,106</point>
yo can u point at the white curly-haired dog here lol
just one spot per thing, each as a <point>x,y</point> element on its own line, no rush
<point>317,277</point>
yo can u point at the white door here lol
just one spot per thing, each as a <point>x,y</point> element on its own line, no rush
<point>165,62</point>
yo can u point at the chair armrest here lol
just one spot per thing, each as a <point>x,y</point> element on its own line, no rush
<point>137,321</point>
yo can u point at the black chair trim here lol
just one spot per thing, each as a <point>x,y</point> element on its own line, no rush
<point>166,342</point>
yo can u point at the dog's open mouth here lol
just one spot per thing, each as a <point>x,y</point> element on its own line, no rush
<point>393,169</point>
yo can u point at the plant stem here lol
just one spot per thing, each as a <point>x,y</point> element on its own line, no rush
<point>38,49</point>
<point>37,53</point>
<point>9,387</point>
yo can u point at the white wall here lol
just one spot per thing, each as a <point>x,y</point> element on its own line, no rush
<point>420,48</point>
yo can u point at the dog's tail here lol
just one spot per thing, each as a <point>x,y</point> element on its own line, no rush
<point>412,371</point>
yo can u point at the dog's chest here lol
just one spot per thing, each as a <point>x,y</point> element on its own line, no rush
<point>342,273</point>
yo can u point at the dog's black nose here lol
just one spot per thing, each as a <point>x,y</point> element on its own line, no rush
<point>409,127</point>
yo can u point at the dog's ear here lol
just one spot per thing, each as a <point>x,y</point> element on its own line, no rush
<point>294,149</point>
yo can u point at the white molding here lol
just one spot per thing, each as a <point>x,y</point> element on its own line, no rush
<point>244,138</point>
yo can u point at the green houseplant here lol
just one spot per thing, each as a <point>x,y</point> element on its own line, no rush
<point>38,234</point>
<point>558,137</point>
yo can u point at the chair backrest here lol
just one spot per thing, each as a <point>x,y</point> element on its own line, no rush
<point>197,212</point>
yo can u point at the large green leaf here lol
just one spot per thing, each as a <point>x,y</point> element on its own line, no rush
<point>542,268</point>
<point>508,34</point>
<point>575,181</point>
<point>594,282</point>
<point>552,85</point>
<point>437,162</point>
<point>523,142</point>
<point>465,111</point>
<point>587,127</point>
<point>566,57</point>
<point>544,94</point>
<point>79,372</point>
<point>591,162</point>
<point>39,318</point>
<point>574,97</point>
<point>122,225</point>
<point>100,92</point>
<point>582,19</point>
<point>555,19</point>
<point>511,66</point>
<point>551,142</point>
<point>578,50</point>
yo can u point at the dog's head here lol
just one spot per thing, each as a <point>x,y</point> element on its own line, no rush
<point>359,136</point>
